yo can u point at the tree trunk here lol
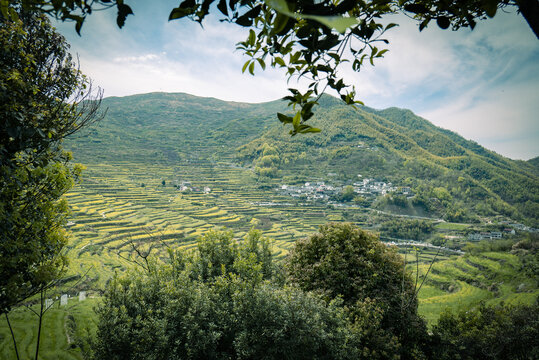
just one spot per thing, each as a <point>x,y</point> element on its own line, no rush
<point>530,10</point>
<point>12,336</point>
<point>40,323</point>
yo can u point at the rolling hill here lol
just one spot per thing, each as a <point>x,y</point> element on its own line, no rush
<point>450,177</point>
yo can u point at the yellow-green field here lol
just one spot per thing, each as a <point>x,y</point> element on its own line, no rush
<point>123,206</point>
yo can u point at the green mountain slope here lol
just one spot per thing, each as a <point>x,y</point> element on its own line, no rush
<point>170,127</point>
<point>451,177</point>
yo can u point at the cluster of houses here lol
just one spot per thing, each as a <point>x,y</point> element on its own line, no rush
<point>491,235</point>
<point>321,191</point>
<point>312,191</point>
<point>185,186</point>
<point>373,187</point>
<point>520,227</point>
<point>507,231</point>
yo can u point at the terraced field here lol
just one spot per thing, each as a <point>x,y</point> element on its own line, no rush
<point>465,281</point>
<point>120,207</point>
<point>124,206</point>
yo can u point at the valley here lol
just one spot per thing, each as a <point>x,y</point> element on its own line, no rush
<point>163,169</point>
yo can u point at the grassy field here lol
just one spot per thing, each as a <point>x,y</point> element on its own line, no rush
<point>62,326</point>
<point>461,282</point>
<point>123,206</point>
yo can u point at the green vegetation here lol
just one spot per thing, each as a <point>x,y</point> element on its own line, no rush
<point>466,183</point>
<point>450,177</point>
<point>344,262</point>
<point>180,169</point>
<point>498,332</point>
<point>37,80</point>
<point>463,282</point>
<point>195,180</point>
<point>406,229</point>
<point>62,332</point>
<point>221,302</point>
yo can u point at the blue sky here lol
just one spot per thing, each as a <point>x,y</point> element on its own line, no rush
<point>482,84</point>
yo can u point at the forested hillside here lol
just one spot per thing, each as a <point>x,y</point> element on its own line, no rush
<point>171,127</point>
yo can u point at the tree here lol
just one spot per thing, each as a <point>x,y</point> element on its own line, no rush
<point>348,193</point>
<point>488,332</point>
<point>342,261</point>
<point>309,39</point>
<point>42,100</point>
<point>183,309</point>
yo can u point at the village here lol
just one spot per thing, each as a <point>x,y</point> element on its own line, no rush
<point>320,191</point>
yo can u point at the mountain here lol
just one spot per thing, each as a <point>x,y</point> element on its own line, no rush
<point>450,176</point>
<point>170,127</point>
<point>535,163</point>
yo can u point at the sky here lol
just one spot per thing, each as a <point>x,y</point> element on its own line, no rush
<point>482,84</point>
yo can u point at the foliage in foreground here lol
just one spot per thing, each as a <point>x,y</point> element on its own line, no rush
<point>220,303</point>
<point>40,88</point>
<point>308,39</point>
<point>343,261</point>
<point>227,300</point>
<point>497,332</point>
<point>342,294</point>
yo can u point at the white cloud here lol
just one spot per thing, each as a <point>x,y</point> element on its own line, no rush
<point>480,84</point>
<point>138,59</point>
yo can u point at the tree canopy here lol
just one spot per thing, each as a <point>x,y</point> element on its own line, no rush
<point>309,39</point>
<point>488,332</point>
<point>41,91</point>
<point>343,261</point>
<point>224,301</point>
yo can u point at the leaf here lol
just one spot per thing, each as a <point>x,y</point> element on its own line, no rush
<point>310,130</point>
<point>178,13</point>
<point>284,119</point>
<point>252,37</point>
<point>416,8</point>
<point>279,23</point>
<point>339,23</point>
<point>245,66</point>
<point>280,61</point>
<point>244,20</point>
<point>252,68</point>
<point>443,22</point>
<point>391,25</point>
<point>222,7</point>
<point>78,25</point>
<point>424,24</point>
<point>491,8</point>
<point>262,64</point>
<point>308,107</point>
<point>280,6</point>
<point>304,31</point>
<point>123,12</point>
<point>296,120</point>
<point>382,52</point>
